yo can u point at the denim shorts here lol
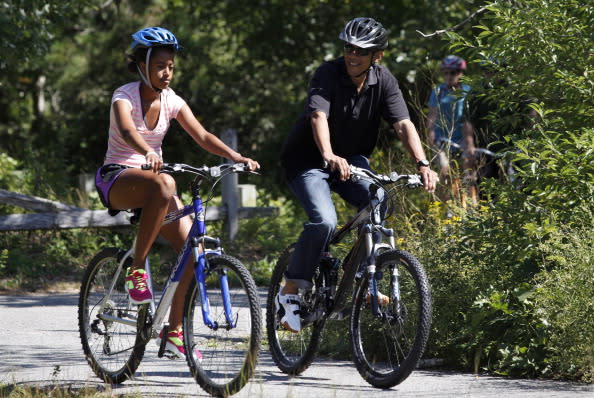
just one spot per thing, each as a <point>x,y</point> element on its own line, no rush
<point>105,177</point>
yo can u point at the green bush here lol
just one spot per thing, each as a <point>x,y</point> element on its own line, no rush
<point>510,294</point>
<point>565,299</point>
<point>37,260</point>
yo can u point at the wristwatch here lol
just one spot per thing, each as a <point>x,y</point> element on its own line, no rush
<point>422,163</point>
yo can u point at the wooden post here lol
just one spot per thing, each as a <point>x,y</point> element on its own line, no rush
<point>229,189</point>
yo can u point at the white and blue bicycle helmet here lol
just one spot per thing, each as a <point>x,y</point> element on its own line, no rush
<point>154,36</point>
<point>150,38</point>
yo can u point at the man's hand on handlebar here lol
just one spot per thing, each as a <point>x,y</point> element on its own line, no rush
<point>429,178</point>
<point>338,164</point>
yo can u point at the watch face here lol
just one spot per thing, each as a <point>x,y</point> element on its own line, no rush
<point>422,163</point>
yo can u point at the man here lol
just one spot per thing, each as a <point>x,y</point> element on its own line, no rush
<point>347,99</point>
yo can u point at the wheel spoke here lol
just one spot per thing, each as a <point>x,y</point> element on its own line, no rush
<point>387,348</point>
<point>112,348</point>
<point>228,354</point>
<point>292,352</point>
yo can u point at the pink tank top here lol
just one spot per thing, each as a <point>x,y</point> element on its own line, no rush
<point>118,151</point>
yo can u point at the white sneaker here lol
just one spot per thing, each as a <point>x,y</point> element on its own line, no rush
<point>287,308</point>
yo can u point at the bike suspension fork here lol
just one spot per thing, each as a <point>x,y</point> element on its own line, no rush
<point>371,270</point>
<point>201,273</point>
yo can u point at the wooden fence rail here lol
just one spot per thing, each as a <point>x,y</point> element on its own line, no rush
<point>55,215</point>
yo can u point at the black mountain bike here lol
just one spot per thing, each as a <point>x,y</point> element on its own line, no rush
<point>387,340</point>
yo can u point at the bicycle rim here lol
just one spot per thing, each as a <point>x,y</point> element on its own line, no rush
<point>113,350</point>
<point>229,355</point>
<point>387,349</point>
<point>293,353</point>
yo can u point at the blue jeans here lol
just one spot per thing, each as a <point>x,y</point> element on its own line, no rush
<point>313,188</point>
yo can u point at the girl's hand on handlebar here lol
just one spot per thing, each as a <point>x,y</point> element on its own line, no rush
<point>251,164</point>
<point>154,161</point>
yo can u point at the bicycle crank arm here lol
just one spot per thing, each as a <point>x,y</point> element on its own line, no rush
<point>111,318</point>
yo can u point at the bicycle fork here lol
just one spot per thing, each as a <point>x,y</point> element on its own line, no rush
<point>372,250</point>
<point>201,269</point>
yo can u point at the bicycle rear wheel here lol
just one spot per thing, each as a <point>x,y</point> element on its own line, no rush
<point>387,349</point>
<point>113,349</point>
<point>229,355</point>
<point>293,353</point>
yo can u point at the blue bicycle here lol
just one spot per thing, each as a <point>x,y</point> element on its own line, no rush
<point>222,314</point>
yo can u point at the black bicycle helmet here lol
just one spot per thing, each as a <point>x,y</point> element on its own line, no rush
<point>365,33</point>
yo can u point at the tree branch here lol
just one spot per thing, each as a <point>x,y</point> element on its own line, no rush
<point>439,32</point>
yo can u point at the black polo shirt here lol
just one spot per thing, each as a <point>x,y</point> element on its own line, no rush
<point>354,118</point>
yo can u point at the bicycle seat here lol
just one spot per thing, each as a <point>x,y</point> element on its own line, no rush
<point>134,219</point>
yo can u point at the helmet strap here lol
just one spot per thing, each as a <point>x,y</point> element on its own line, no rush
<point>364,72</point>
<point>146,78</point>
<point>368,69</point>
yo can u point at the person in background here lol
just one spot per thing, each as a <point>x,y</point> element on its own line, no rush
<point>140,115</point>
<point>449,132</point>
<point>346,101</point>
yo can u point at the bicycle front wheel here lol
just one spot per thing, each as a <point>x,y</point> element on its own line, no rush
<point>108,322</point>
<point>388,347</point>
<point>228,353</point>
<point>293,353</point>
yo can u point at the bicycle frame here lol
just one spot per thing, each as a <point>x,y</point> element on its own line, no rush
<point>363,254</point>
<point>195,240</point>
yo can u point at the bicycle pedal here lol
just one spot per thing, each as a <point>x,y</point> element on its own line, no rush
<point>170,355</point>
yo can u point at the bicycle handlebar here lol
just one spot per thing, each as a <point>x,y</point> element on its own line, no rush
<point>412,180</point>
<point>204,171</point>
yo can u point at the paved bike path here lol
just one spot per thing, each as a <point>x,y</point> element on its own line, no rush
<point>39,345</point>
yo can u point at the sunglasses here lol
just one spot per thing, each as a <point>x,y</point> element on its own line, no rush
<point>360,52</point>
<point>451,72</point>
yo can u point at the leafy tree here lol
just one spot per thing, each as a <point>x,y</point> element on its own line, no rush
<point>245,66</point>
<point>506,256</point>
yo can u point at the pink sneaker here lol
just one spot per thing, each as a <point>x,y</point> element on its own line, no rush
<point>175,345</point>
<point>137,287</point>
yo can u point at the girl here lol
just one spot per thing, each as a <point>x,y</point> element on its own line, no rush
<point>140,116</point>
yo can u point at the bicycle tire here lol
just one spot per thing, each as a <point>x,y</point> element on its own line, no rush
<point>113,350</point>
<point>387,349</point>
<point>292,353</point>
<point>229,356</point>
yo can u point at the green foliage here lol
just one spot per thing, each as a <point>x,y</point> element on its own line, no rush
<point>8,168</point>
<point>261,240</point>
<point>240,69</point>
<point>505,298</point>
<point>36,260</point>
<point>502,325</point>
<point>564,298</point>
